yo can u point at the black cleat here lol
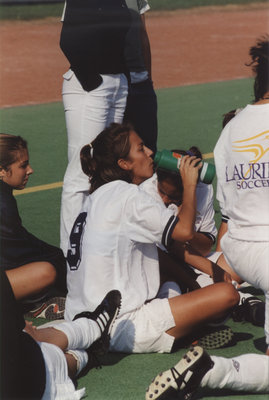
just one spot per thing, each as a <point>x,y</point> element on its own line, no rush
<point>251,310</point>
<point>104,315</point>
<point>183,379</point>
<point>215,337</point>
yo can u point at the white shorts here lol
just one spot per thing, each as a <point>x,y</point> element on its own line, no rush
<point>144,330</point>
<point>58,384</point>
<point>250,260</point>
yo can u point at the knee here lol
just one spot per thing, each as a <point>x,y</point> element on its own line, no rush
<point>48,274</point>
<point>231,295</point>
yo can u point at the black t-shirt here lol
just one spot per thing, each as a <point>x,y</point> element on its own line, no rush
<point>18,246</point>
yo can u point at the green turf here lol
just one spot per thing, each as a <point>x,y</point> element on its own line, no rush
<point>178,4</point>
<point>39,11</point>
<point>43,126</point>
<point>127,376</point>
<point>189,115</point>
<point>192,115</point>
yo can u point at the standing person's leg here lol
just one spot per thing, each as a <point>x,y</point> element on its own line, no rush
<point>118,100</point>
<point>87,114</point>
<point>141,111</point>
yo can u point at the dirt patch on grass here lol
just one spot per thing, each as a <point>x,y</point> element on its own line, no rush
<point>188,46</point>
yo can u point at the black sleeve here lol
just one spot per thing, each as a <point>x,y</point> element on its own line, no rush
<point>209,236</point>
<point>167,233</point>
<point>224,218</point>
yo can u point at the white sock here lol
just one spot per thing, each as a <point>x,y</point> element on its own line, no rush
<point>248,372</point>
<point>81,356</point>
<point>81,333</point>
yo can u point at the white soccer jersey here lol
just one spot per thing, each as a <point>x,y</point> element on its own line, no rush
<point>242,166</point>
<point>205,213</point>
<point>113,246</point>
<point>151,187</point>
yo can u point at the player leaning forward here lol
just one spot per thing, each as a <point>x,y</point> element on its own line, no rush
<point>242,163</point>
<point>113,245</point>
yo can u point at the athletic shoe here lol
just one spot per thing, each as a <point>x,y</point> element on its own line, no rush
<point>251,310</point>
<point>182,380</point>
<point>215,337</point>
<point>51,309</point>
<point>105,315</point>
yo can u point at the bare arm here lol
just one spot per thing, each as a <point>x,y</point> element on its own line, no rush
<point>192,257</point>
<point>184,229</point>
<point>202,243</point>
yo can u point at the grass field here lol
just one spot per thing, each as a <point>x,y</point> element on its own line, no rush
<point>188,115</point>
<point>28,12</point>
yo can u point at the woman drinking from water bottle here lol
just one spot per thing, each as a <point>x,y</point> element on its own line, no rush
<point>113,245</point>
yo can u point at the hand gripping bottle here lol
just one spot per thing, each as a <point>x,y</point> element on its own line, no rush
<point>169,160</point>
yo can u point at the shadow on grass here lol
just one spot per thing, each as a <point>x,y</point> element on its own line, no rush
<point>113,358</point>
<point>216,393</point>
<point>260,344</point>
<point>192,339</point>
<point>241,337</point>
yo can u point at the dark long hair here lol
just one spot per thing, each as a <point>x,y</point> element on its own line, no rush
<point>9,147</point>
<point>260,66</point>
<point>99,159</point>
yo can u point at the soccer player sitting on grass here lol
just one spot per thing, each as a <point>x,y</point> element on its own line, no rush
<point>41,363</point>
<point>192,264</point>
<point>32,266</point>
<point>113,245</point>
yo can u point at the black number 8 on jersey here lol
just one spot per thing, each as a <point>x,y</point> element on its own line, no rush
<point>73,254</point>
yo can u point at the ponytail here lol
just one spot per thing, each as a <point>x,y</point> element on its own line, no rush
<point>88,163</point>
<point>99,159</point>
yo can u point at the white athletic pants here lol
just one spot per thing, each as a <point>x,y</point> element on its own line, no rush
<point>86,115</point>
<point>249,372</point>
<point>250,260</point>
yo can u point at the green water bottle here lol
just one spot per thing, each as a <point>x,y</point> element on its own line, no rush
<point>169,160</point>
